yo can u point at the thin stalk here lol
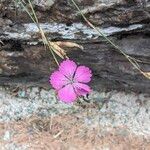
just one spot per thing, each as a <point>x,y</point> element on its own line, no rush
<point>35,20</point>
<point>129,58</point>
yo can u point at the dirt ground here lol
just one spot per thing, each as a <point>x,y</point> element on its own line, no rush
<point>66,132</point>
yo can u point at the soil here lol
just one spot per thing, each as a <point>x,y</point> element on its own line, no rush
<point>67,132</point>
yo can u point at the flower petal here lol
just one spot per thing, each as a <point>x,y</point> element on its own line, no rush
<point>83,74</point>
<point>58,80</point>
<point>81,89</point>
<point>67,94</point>
<point>68,68</point>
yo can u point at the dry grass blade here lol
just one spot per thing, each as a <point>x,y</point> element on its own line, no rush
<point>34,18</point>
<point>68,44</point>
<point>146,74</point>
<point>58,50</point>
<point>129,58</point>
<point>58,134</point>
<point>1,42</point>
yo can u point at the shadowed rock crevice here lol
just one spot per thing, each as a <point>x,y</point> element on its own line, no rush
<point>12,46</point>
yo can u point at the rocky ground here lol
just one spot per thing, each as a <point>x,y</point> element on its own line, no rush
<point>33,118</point>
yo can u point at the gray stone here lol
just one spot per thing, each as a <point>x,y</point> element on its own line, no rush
<point>44,4</point>
<point>121,109</point>
<point>7,136</point>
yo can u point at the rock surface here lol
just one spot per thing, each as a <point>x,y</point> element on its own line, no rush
<point>23,59</point>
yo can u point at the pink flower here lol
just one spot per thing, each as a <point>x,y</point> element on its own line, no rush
<point>70,81</point>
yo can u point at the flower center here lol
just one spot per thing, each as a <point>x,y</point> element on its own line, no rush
<point>72,80</point>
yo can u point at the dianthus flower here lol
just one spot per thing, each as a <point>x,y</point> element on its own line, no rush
<point>70,81</point>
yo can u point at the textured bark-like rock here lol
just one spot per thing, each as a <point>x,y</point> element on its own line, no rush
<point>23,59</point>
